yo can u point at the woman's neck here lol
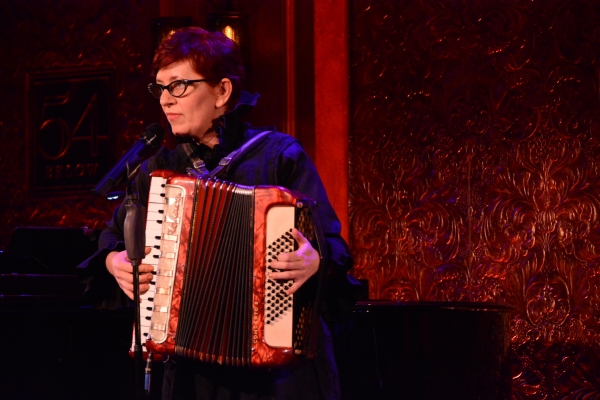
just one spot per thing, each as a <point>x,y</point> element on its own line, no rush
<point>210,139</point>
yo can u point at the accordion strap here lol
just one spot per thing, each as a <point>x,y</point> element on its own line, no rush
<point>199,169</point>
<point>226,163</point>
<point>234,158</point>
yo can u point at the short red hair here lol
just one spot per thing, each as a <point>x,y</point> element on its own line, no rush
<point>211,54</point>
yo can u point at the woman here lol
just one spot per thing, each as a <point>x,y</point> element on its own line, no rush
<point>198,82</point>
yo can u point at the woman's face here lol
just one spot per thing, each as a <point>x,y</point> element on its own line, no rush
<point>193,113</point>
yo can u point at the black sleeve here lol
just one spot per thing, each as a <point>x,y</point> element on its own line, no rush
<point>102,290</point>
<point>296,171</point>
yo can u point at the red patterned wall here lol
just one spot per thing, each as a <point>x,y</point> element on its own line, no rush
<point>50,38</point>
<point>474,176</point>
<point>67,37</point>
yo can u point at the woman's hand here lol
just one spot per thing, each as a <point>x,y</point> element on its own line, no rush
<point>298,265</point>
<point>120,267</point>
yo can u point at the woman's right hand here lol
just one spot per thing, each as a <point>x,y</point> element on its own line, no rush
<point>119,266</point>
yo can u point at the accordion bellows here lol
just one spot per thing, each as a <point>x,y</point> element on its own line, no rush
<point>212,299</point>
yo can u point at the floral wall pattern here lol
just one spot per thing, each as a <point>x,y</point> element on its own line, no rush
<point>48,36</point>
<point>474,176</point>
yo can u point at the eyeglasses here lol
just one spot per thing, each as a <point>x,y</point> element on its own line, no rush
<point>176,88</point>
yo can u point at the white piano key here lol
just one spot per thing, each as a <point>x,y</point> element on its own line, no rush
<point>156,207</point>
<point>153,229</point>
<point>154,253</point>
<point>144,312</point>
<point>152,240</point>
<point>152,257</point>
<point>155,198</point>
<point>154,216</point>
<point>153,262</point>
<point>157,184</point>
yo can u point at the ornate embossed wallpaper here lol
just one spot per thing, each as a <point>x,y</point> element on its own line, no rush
<point>74,84</point>
<point>57,54</point>
<point>475,170</point>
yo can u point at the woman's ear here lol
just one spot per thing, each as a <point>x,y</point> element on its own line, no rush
<point>224,89</point>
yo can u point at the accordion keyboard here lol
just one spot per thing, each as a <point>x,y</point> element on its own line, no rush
<point>153,233</point>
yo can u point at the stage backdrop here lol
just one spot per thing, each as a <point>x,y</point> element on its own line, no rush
<point>474,176</point>
<point>73,82</point>
<point>74,86</point>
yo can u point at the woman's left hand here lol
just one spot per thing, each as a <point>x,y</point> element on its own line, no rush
<point>298,265</point>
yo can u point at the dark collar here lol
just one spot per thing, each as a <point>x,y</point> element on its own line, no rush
<point>230,129</point>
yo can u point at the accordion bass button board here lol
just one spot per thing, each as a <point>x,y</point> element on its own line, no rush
<point>278,305</point>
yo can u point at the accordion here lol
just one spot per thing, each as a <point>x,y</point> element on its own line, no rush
<point>211,298</point>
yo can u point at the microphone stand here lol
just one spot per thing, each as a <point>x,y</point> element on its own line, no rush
<point>135,245</point>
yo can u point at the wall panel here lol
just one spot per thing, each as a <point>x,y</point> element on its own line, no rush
<point>474,151</point>
<point>62,41</point>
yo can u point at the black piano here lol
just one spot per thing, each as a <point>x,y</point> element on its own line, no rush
<point>424,350</point>
<point>55,346</point>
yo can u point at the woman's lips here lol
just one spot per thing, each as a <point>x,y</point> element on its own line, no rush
<point>172,116</point>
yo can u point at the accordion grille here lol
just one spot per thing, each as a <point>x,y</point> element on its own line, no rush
<point>216,301</point>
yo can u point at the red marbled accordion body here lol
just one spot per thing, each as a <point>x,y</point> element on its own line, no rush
<point>212,290</point>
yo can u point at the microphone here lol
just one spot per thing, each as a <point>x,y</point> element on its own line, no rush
<point>150,140</point>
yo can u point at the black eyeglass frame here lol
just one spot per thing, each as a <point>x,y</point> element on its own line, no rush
<point>186,82</point>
